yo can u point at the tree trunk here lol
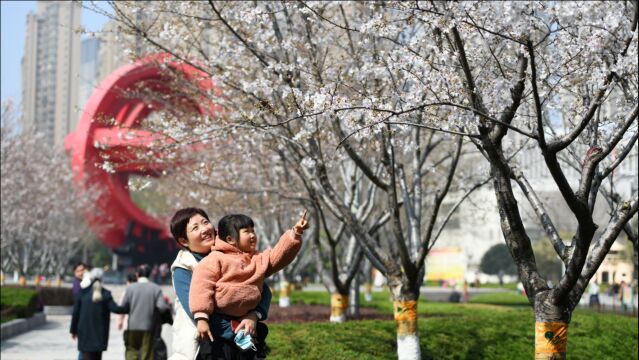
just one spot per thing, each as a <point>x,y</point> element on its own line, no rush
<point>339,303</point>
<point>285,289</point>
<point>405,312</point>
<point>551,328</point>
<point>353,306</point>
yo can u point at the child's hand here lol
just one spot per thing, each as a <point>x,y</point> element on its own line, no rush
<point>302,224</point>
<point>203,329</point>
<point>248,323</point>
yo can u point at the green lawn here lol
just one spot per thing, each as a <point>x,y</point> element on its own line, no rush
<point>452,331</point>
<point>505,298</point>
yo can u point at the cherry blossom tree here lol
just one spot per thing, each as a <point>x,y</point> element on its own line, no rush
<point>42,224</point>
<point>560,76</point>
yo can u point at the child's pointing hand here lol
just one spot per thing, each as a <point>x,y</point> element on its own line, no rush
<point>302,224</point>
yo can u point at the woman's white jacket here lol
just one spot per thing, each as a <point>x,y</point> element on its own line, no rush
<point>185,344</point>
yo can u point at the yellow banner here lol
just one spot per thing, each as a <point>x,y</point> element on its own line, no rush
<point>446,264</point>
<point>550,337</point>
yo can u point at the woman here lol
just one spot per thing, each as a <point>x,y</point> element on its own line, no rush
<point>91,316</point>
<point>192,229</point>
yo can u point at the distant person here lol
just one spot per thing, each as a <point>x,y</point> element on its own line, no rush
<point>465,297</point>
<point>193,231</point>
<point>164,273</point>
<point>593,291</point>
<point>521,289</point>
<point>91,316</point>
<point>230,278</point>
<point>625,296</point>
<point>613,291</point>
<point>154,274</point>
<point>78,271</point>
<point>144,299</point>
<point>123,319</point>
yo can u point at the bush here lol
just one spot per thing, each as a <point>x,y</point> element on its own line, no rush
<point>19,302</point>
<point>56,296</point>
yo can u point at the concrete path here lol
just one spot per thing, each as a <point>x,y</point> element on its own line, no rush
<point>52,341</point>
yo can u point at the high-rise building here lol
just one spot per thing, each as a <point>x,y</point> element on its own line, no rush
<point>50,69</point>
<point>112,50</point>
<point>89,69</point>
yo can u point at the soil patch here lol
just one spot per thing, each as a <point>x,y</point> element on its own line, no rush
<point>316,313</point>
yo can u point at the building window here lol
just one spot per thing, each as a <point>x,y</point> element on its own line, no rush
<point>604,277</point>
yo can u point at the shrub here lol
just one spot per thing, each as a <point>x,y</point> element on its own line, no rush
<point>56,296</point>
<point>17,302</point>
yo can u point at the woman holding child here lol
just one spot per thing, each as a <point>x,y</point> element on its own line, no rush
<point>192,229</point>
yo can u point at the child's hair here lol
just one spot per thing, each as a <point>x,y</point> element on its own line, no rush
<point>231,225</point>
<point>181,218</point>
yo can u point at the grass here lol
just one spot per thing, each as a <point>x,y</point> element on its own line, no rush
<point>506,299</point>
<point>488,328</point>
<point>17,303</point>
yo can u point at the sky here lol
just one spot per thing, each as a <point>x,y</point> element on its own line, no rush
<point>14,16</point>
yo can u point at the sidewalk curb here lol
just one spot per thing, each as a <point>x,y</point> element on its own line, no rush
<point>19,326</point>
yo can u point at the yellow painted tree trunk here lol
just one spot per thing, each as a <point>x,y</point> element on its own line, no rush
<point>285,291</point>
<point>551,340</point>
<point>339,303</point>
<point>407,337</point>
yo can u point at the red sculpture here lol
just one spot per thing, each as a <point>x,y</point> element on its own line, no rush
<point>117,221</point>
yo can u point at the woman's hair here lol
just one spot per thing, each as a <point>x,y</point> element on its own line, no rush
<point>181,218</point>
<point>231,225</point>
<point>96,277</point>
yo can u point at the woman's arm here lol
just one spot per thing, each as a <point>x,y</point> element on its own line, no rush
<point>182,284</point>
<point>113,307</point>
<point>75,318</point>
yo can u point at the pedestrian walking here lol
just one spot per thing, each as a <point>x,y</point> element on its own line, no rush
<point>625,296</point>
<point>91,316</point>
<point>123,319</point>
<point>78,271</point>
<point>144,299</point>
<point>593,291</point>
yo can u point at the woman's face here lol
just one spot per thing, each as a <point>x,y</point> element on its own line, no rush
<point>200,235</point>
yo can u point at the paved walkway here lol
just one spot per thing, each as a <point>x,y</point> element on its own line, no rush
<point>52,341</point>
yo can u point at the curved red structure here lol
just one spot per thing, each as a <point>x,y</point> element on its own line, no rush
<point>117,221</point>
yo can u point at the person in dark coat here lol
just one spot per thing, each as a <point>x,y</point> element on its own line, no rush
<point>91,316</point>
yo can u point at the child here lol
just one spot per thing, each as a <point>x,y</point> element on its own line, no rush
<point>228,280</point>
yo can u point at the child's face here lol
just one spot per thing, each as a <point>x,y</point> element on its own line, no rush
<point>248,240</point>
<point>200,234</point>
